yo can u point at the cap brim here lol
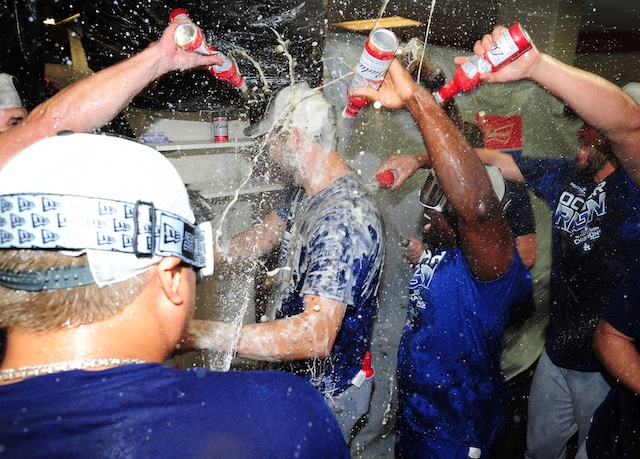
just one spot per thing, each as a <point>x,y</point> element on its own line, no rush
<point>257,130</point>
<point>265,125</point>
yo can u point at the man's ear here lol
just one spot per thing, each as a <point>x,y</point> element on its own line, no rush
<point>297,138</point>
<point>170,277</point>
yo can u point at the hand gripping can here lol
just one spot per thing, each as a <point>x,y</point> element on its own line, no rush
<point>190,37</point>
<point>513,43</point>
<point>374,62</point>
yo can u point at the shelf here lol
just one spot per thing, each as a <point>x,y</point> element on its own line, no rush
<point>201,145</point>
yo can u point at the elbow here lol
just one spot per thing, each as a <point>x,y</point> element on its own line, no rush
<point>322,347</point>
<point>322,353</point>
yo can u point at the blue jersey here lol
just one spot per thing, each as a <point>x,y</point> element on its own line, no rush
<point>595,239</point>
<point>451,387</point>
<point>152,411</point>
<point>334,249</point>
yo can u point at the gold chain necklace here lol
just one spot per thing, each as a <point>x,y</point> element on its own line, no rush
<point>50,368</point>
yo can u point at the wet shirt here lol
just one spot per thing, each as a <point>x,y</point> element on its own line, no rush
<point>519,211</point>
<point>519,214</point>
<point>334,249</point>
<point>152,411</point>
<point>451,387</point>
<point>595,239</point>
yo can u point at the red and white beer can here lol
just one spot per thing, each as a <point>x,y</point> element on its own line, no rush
<point>220,128</point>
<point>374,62</point>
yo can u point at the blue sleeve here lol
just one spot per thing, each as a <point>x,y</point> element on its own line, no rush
<point>543,175</point>
<point>519,211</point>
<point>623,309</point>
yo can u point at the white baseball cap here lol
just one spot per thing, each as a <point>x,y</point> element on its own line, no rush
<point>9,97</point>
<point>633,89</point>
<point>120,202</point>
<point>297,105</point>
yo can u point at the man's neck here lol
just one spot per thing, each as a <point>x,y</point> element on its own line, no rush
<point>605,171</point>
<point>322,171</point>
<point>103,339</point>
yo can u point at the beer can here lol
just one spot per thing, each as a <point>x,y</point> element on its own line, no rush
<point>220,128</point>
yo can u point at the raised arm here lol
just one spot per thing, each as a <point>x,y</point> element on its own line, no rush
<point>504,162</point>
<point>95,100</point>
<point>596,100</point>
<point>484,234</point>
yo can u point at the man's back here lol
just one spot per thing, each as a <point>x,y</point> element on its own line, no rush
<point>336,250</point>
<point>155,411</point>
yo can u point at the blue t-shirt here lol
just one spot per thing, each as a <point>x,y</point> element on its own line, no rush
<point>519,211</point>
<point>595,239</point>
<point>152,411</point>
<point>451,386</point>
<point>519,215</point>
<point>333,248</point>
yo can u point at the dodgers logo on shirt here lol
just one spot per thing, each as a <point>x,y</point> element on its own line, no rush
<point>423,275</point>
<point>574,214</point>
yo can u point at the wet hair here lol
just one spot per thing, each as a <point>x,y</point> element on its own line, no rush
<point>50,310</point>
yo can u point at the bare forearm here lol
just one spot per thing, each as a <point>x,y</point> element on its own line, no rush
<point>503,161</point>
<point>293,338</point>
<point>256,241</point>
<point>310,334</point>
<point>528,249</point>
<point>207,334</point>
<point>597,101</point>
<point>83,106</point>
<point>451,156</point>
<point>95,100</point>
<point>623,362</point>
<point>619,355</point>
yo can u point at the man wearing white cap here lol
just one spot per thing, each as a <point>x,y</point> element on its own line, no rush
<point>93,101</point>
<point>11,110</point>
<point>330,235</point>
<point>98,267</point>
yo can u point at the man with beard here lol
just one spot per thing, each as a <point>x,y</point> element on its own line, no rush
<point>595,237</point>
<point>596,228</point>
<point>330,235</point>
